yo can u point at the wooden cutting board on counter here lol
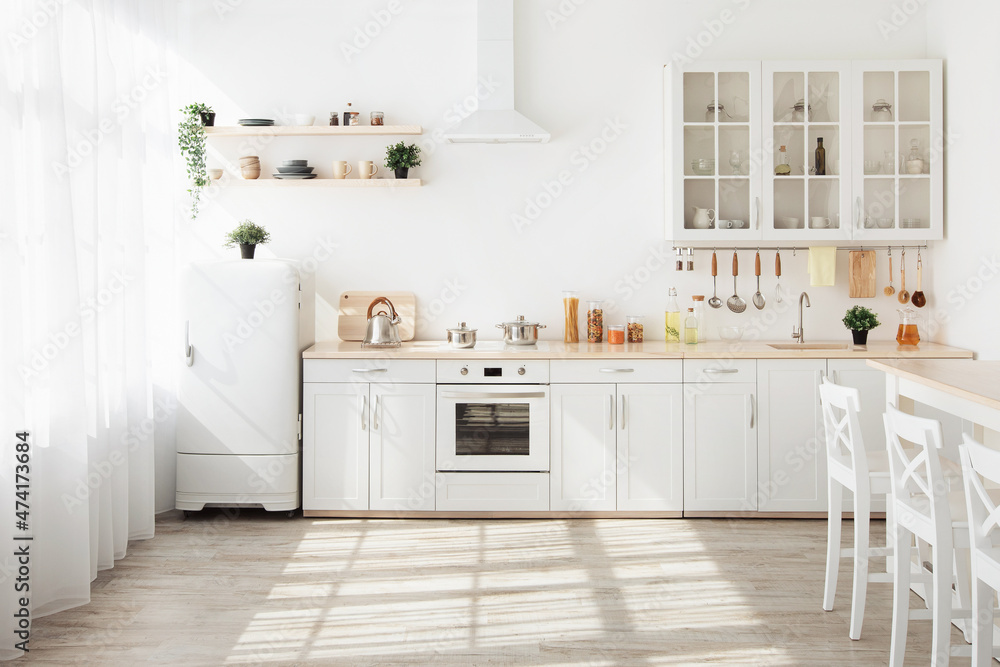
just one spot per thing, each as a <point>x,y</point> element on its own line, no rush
<point>352,320</point>
<point>862,274</point>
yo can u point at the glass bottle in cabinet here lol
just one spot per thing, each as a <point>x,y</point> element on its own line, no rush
<point>820,165</point>
<point>782,168</point>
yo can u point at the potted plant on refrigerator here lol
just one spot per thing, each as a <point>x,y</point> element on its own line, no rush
<point>247,236</point>
<point>860,321</point>
<point>400,157</point>
<point>191,140</point>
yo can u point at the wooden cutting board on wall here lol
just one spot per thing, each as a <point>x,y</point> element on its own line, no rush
<point>352,319</point>
<point>862,274</point>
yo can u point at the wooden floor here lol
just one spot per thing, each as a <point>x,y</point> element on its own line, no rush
<point>218,589</point>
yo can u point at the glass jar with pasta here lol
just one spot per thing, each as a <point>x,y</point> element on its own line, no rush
<point>595,322</point>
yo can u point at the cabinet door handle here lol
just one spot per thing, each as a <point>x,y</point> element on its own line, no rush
<point>188,350</point>
<point>621,422</point>
<point>753,409</point>
<point>618,370</point>
<point>364,412</point>
<point>611,412</point>
<point>722,370</point>
<point>369,370</point>
<point>378,407</point>
<point>857,213</point>
<point>756,210</point>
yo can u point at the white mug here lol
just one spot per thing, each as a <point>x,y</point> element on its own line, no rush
<point>367,169</point>
<point>341,169</point>
<point>789,223</point>
<point>819,222</point>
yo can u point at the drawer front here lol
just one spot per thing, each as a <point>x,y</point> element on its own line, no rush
<point>615,370</point>
<point>368,370</point>
<point>493,491</point>
<point>720,370</point>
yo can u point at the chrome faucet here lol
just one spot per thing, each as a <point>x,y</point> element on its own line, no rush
<point>797,332</point>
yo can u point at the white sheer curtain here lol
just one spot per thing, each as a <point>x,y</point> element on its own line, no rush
<point>87,213</point>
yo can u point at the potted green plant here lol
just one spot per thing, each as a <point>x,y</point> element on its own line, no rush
<point>247,236</point>
<point>191,140</point>
<point>860,321</point>
<point>401,157</point>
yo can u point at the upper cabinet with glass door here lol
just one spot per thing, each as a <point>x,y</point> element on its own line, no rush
<point>712,134</point>
<point>807,135</point>
<point>898,143</point>
<point>741,141</point>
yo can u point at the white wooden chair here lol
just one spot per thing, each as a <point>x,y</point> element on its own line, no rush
<point>979,463</point>
<point>925,508</point>
<point>850,466</point>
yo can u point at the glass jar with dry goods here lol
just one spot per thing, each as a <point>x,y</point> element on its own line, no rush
<point>571,306</point>
<point>595,322</point>
<point>633,329</point>
<point>616,334</point>
<point>351,116</point>
<point>378,118</point>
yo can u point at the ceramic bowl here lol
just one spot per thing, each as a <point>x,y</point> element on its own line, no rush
<point>304,119</point>
<point>215,174</point>
<point>295,163</point>
<point>731,334</point>
<point>295,170</point>
<point>884,223</point>
<point>250,173</point>
<point>249,160</point>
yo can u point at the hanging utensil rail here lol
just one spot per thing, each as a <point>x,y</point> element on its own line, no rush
<point>797,248</point>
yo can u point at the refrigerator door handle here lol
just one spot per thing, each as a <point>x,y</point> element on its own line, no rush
<point>188,350</point>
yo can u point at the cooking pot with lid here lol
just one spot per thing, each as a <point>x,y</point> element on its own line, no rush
<point>520,331</point>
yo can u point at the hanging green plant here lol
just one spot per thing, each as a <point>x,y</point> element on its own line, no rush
<point>191,140</point>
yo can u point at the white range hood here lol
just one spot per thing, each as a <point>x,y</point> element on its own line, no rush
<point>496,121</point>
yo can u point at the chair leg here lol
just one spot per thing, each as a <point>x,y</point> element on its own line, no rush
<point>862,516</point>
<point>835,494</point>
<point>941,611</point>
<point>963,583</point>
<point>982,624</point>
<point>900,595</point>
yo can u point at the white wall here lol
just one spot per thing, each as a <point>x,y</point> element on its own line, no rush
<point>968,260</point>
<point>453,241</point>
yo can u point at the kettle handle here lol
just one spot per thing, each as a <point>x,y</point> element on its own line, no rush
<point>382,299</point>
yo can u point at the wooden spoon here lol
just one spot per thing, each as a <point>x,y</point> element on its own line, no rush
<point>904,296</point>
<point>918,299</point>
<point>890,290</point>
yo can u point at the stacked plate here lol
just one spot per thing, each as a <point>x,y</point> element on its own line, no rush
<point>909,223</point>
<point>295,170</point>
<point>256,122</point>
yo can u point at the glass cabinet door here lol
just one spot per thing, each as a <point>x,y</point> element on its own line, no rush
<point>806,195</point>
<point>712,173</point>
<point>897,150</point>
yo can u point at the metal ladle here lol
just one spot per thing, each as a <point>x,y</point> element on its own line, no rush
<point>715,301</point>
<point>758,298</point>
<point>735,303</point>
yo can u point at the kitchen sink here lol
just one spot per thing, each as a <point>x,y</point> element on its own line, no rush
<point>808,346</point>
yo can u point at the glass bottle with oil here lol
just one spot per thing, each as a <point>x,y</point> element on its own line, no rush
<point>908,332</point>
<point>691,328</point>
<point>673,317</point>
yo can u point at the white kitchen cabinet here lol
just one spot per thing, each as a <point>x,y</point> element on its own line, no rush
<point>867,192</point>
<point>906,197</point>
<point>650,452</point>
<point>334,446</point>
<point>699,129</point>
<point>791,444</point>
<point>583,447</point>
<point>804,205</point>
<point>720,447</point>
<point>401,460</point>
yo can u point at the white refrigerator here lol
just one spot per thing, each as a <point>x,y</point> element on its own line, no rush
<point>238,420</point>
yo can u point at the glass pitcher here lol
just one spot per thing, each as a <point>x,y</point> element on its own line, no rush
<point>908,332</point>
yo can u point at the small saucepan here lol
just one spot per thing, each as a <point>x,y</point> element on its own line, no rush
<point>520,331</point>
<point>462,337</point>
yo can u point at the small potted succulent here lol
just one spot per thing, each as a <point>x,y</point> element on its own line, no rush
<point>400,158</point>
<point>191,140</point>
<point>860,321</point>
<point>247,236</point>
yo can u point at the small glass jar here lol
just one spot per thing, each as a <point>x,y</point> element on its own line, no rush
<point>633,329</point>
<point>378,118</point>
<point>571,306</point>
<point>881,111</point>
<point>616,334</point>
<point>595,322</point>
<point>334,118</point>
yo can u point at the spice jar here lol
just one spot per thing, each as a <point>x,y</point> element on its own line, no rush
<point>334,118</point>
<point>616,334</point>
<point>595,322</point>
<point>571,305</point>
<point>634,328</point>
<point>881,111</point>
<point>377,118</point>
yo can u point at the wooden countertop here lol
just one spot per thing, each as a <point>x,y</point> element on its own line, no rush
<point>976,381</point>
<point>651,350</point>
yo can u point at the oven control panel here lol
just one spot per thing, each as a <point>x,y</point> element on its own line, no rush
<point>492,371</point>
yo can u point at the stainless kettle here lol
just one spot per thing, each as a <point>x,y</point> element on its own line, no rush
<point>383,328</point>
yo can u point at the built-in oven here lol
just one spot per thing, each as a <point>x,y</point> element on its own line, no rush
<point>493,416</point>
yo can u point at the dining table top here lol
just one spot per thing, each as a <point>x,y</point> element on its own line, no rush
<point>969,379</point>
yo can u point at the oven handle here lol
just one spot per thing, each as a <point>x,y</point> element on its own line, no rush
<point>521,394</point>
<point>617,370</point>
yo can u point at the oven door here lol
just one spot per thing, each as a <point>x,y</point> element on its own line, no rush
<point>493,428</point>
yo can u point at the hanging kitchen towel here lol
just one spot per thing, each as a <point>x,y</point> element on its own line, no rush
<point>822,266</point>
